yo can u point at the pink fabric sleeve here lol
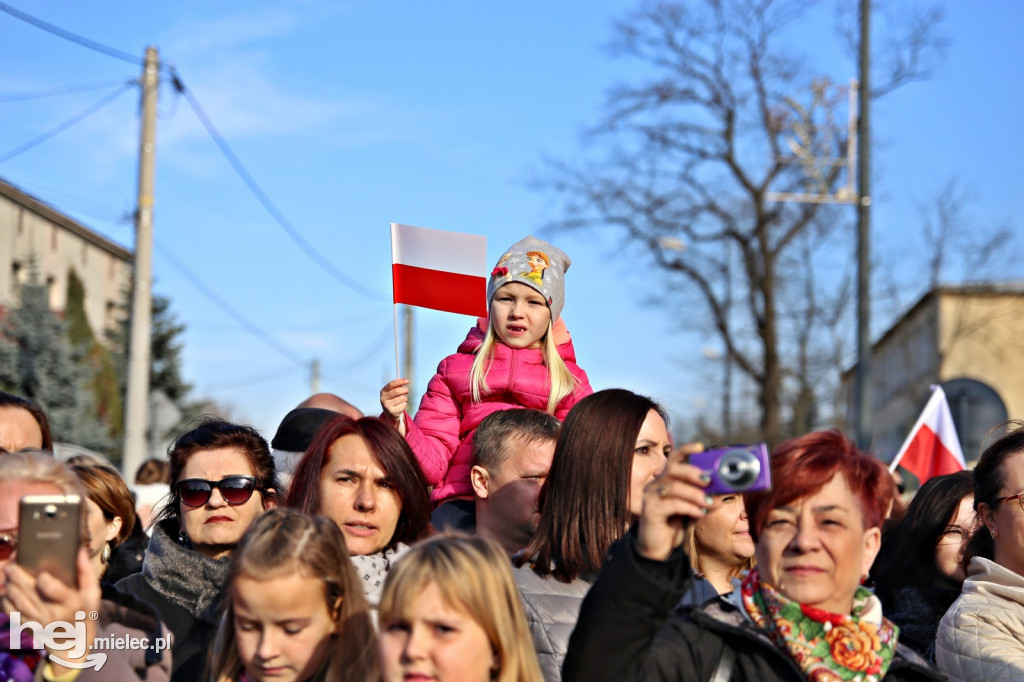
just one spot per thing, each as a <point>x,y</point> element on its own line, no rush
<point>434,434</point>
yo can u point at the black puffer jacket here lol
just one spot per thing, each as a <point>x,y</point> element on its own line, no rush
<point>627,630</point>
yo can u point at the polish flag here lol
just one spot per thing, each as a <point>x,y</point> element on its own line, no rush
<point>932,448</point>
<point>439,269</point>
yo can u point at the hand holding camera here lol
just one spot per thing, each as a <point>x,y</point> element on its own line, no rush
<point>684,488</point>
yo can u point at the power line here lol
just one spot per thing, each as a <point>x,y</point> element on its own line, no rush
<point>366,354</point>
<point>226,307</point>
<point>251,380</point>
<point>262,197</point>
<point>65,90</point>
<point>88,111</point>
<point>73,37</point>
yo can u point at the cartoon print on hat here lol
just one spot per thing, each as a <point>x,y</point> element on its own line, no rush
<point>537,264</point>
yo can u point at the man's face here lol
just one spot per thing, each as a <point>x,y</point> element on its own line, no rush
<point>513,489</point>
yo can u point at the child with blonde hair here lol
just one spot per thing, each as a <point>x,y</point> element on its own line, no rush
<point>520,355</point>
<point>295,610</point>
<point>450,612</point>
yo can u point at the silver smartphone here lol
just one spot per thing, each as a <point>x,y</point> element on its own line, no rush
<point>49,535</point>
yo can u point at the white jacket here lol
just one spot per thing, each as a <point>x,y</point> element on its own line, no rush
<point>981,637</point>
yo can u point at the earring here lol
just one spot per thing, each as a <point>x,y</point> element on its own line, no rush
<point>183,540</point>
<point>105,555</point>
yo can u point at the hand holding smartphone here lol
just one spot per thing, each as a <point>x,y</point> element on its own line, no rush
<point>49,535</point>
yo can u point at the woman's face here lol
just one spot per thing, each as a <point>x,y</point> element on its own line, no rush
<point>216,527</point>
<point>1006,520</point>
<point>815,550</point>
<point>357,494</point>
<point>101,531</point>
<point>949,550</point>
<point>435,642</point>
<point>723,534</point>
<point>652,449</point>
<point>283,626</point>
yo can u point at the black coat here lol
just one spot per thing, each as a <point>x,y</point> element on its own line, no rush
<point>628,630</point>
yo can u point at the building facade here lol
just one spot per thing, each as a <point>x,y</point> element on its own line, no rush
<point>969,340</point>
<point>33,231</point>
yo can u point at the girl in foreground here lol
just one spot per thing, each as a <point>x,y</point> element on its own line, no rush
<point>450,613</point>
<point>295,610</point>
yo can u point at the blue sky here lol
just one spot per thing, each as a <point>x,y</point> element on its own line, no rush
<point>352,115</point>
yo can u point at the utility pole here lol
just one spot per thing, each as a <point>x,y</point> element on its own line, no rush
<point>314,377</point>
<point>137,399</point>
<point>862,386</point>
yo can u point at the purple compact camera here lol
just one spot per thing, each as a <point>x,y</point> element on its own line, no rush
<point>736,468</point>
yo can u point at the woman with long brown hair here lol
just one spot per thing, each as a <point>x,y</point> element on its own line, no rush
<point>611,445</point>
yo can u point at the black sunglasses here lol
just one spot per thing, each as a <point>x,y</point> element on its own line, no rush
<point>195,492</point>
<point>8,543</point>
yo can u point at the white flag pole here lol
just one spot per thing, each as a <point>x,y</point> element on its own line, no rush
<point>394,308</point>
<point>937,394</point>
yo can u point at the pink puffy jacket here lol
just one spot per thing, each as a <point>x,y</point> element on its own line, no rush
<point>442,433</point>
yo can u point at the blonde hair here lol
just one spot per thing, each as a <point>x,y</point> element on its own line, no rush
<point>284,541</point>
<point>473,575</point>
<point>693,554</point>
<point>562,381</point>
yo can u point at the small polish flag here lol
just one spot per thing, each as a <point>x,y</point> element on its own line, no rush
<point>932,448</point>
<point>439,269</point>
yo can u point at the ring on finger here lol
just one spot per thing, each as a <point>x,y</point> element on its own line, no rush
<point>662,491</point>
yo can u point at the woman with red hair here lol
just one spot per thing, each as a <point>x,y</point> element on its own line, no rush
<point>361,474</point>
<point>802,614</point>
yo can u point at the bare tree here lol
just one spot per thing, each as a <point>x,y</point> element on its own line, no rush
<point>691,157</point>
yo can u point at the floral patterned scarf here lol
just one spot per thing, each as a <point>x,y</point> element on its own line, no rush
<point>828,647</point>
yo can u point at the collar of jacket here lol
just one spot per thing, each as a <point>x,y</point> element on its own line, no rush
<point>985,576</point>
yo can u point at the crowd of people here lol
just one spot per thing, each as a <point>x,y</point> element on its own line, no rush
<point>522,527</point>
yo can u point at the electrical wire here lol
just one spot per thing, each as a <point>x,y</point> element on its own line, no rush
<point>233,159</point>
<point>85,113</point>
<point>366,354</point>
<point>262,197</point>
<point>251,380</point>
<point>68,35</point>
<point>226,307</point>
<point>65,90</point>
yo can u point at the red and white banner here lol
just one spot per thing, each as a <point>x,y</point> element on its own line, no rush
<point>932,448</point>
<point>439,269</point>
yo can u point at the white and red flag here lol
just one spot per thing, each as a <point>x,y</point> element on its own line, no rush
<point>932,448</point>
<point>439,269</point>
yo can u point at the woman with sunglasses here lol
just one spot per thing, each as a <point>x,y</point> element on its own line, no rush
<point>222,478</point>
<point>980,638</point>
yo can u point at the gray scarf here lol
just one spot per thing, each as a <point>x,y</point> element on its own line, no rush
<point>189,579</point>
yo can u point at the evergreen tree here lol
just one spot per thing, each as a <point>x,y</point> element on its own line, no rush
<point>38,361</point>
<point>104,384</point>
